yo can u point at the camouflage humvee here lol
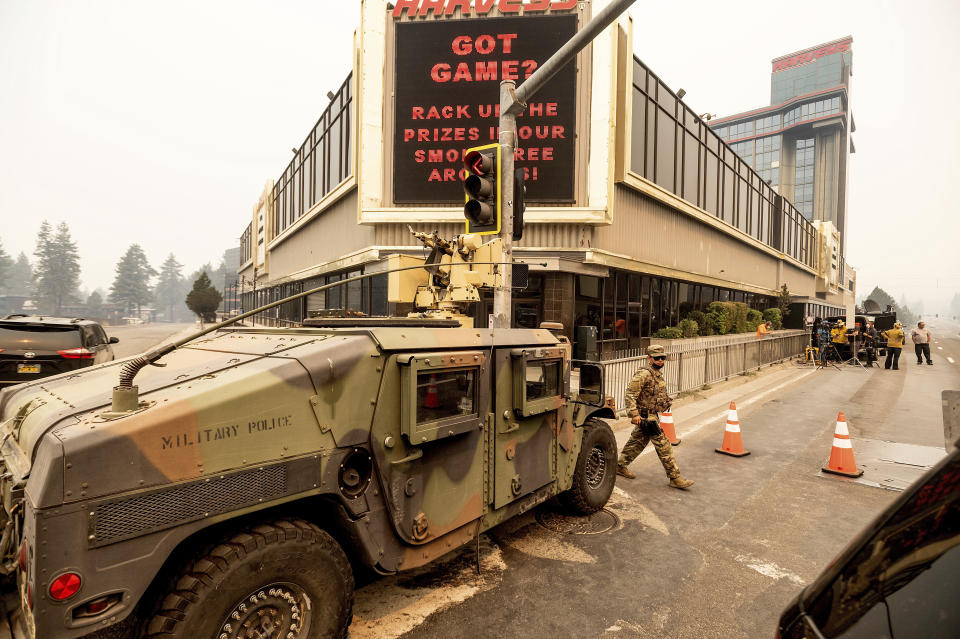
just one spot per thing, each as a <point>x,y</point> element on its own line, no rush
<point>259,467</point>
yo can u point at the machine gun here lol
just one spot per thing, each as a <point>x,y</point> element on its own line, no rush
<point>439,290</point>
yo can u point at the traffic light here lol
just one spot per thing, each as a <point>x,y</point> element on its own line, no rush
<point>481,185</point>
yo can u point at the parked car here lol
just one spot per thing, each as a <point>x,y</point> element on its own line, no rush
<point>898,578</point>
<point>33,346</point>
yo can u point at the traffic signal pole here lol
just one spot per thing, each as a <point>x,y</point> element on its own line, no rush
<point>503,295</point>
<point>513,102</point>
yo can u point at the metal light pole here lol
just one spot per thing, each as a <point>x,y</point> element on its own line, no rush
<point>513,102</point>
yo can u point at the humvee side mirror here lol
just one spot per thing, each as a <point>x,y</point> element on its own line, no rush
<point>591,384</point>
<point>114,340</point>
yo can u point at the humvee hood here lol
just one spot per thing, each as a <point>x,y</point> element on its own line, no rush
<point>248,388</point>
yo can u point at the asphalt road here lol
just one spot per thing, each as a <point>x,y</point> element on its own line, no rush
<point>720,560</point>
<point>136,338</point>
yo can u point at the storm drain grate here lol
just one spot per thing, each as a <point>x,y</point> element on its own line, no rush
<point>123,519</point>
<point>599,522</point>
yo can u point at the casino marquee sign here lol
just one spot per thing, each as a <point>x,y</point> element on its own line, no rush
<point>449,59</point>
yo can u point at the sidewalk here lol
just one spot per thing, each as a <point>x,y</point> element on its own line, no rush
<point>709,408</point>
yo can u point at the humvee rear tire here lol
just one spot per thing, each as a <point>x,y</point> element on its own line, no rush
<point>284,575</point>
<point>596,470</point>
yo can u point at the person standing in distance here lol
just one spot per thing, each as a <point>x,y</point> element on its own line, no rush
<point>894,339</point>
<point>646,397</point>
<point>870,341</point>
<point>921,343</point>
<point>838,335</point>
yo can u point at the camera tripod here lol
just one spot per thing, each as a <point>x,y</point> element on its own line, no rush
<point>854,354</point>
<point>825,352</point>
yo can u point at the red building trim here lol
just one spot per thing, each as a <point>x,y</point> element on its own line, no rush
<point>782,105</point>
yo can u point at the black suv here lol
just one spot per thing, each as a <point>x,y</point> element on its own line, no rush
<point>32,346</point>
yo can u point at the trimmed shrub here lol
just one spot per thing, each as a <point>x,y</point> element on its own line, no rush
<point>704,326</point>
<point>723,315</point>
<point>754,319</point>
<point>773,316</point>
<point>670,332</point>
<point>688,327</point>
<point>740,317</point>
<point>716,322</point>
<point>696,316</point>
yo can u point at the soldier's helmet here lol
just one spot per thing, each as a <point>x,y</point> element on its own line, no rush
<point>656,351</point>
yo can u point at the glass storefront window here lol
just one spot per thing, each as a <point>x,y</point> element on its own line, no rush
<point>526,314</point>
<point>656,306</point>
<point>634,307</point>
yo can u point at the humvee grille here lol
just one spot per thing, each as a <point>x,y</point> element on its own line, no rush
<point>126,518</point>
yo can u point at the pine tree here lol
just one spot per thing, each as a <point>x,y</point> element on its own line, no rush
<point>784,300</point>
<point>5,265</point>
<point>169,290</point>
<point>204,298</point>
<point>131,286</point>
<point>20,277</point>
<point>57,272</point>
<point>95,306</point>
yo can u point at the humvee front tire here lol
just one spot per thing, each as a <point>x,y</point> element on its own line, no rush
<point>287,577</point>
<point>596,470</point>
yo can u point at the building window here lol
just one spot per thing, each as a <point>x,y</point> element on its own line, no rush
<point>812,111</point>
<point>768,124</point>
<point>767,160</point>
<point>803,180</point>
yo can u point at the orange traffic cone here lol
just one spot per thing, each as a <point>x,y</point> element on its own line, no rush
<point>732,442</point>
<point>841,454</point>
<point>666,425</point>
<point>432,400</point>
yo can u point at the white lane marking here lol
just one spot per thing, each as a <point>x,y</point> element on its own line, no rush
<point>769,569</point>
<point>715,417</point>
<point>950,359</point>
<point>940,348</point>
<point>747,402</point>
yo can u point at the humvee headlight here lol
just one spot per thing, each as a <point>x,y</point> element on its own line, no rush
<point>65,586</point>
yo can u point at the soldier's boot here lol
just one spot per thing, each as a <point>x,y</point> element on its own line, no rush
<point>665,453</point>
<point>632,449</point>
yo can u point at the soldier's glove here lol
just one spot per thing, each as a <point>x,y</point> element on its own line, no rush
<point>651,428</point>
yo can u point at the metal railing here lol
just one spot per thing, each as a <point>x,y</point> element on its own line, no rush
<point>274,322</point>
<point>706,360</point>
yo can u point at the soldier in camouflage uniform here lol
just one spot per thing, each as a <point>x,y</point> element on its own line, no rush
<point>646,397</point>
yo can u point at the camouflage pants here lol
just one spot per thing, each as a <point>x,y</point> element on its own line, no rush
<point>638,441</point>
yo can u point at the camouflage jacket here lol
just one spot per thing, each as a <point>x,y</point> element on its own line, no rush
<point>647,390</point>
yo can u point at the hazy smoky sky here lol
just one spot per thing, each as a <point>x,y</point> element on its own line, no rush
<point>159,123</point>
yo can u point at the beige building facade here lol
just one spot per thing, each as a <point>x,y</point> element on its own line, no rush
<point>637,212</point>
